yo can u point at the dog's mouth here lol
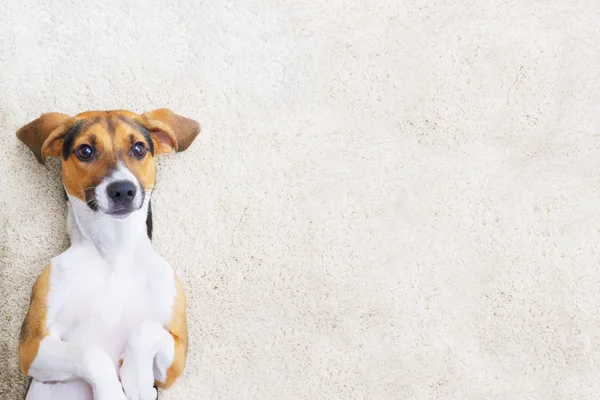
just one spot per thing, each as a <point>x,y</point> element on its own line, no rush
<point>121,213</point>
<point>115,211</point>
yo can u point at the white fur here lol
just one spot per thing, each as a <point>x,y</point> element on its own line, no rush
<point>110,296</point>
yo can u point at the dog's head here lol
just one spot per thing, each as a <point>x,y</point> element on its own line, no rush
<point>108,157</point>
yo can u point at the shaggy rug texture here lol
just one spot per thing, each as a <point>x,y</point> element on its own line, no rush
<point>388,200</point>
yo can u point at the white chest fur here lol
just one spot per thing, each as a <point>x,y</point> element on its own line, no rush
<point>95,303</point>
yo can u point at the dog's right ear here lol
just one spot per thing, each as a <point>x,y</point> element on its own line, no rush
<point>44,136</point>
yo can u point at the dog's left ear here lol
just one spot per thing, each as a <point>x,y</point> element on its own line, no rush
<point>170,132</point>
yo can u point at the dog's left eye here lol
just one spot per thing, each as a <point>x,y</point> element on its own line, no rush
<point>138,150</point>
<point>85,152</point>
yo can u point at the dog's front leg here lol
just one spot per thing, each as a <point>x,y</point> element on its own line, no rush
<point>150,348</point>
<point>46,358</point>
<point>60,361</point>
<point>155,354</point>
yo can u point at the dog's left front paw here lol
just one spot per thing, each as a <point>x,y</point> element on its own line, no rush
<point>137,384</point>
<point>145,394</point>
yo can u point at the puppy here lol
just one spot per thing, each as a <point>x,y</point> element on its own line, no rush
<point>107,318</point>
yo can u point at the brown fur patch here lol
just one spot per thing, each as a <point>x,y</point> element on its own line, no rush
<point>177,327</point>
<point>34,329</point>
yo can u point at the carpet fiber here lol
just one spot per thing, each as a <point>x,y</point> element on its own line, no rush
<point>388,200</point>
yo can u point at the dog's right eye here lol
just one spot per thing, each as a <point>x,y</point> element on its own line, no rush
<point>85,152</point>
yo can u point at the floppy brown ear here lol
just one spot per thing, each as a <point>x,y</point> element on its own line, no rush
<point>44,135</point>
<point>170,131</point>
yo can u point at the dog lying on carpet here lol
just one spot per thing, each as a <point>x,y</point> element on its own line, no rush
<point>107,317</point>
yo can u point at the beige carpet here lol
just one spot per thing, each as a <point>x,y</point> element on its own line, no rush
<point>387,201</point>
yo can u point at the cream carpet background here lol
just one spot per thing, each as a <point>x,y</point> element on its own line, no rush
<point>388,200</point>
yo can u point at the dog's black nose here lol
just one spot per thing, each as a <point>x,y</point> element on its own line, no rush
<point>121,192</point>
